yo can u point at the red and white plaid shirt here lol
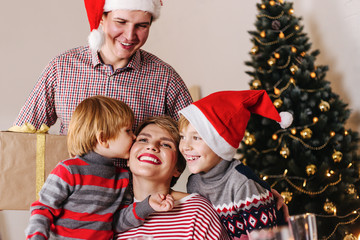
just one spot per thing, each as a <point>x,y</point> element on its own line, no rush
<point>147,84</point>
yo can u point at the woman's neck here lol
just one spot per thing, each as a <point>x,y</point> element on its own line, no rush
<point>143,188</point>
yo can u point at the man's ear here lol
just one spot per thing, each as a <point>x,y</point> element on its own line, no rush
<point>101,140</point>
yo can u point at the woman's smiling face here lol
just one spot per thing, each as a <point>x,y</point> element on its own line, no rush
<point>154,154</point>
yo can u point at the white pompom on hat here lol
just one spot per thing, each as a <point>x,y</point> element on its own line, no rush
<point>95,9</point>
<point>221,118</point>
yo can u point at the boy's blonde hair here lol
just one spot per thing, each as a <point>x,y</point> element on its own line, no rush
<point>183,122</point>
<point>95,115</point>
<point>171,126</point>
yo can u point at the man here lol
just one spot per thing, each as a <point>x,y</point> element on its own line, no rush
<point>112,65</point>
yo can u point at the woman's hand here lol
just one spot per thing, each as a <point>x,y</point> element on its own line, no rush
<point>161,202</point>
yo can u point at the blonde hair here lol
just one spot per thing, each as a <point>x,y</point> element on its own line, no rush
<point>183,122</point>
<point>95,115</point>
<point>171,126</point>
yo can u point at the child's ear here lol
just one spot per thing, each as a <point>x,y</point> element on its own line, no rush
<point>102,141</point>
<point>177,173</point>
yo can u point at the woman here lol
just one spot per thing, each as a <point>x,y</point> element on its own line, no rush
<point>156,164</point>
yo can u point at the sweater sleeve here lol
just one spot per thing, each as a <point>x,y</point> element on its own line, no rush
<point>256,205</point>
<point>54,192</point>
<point>132,216</point>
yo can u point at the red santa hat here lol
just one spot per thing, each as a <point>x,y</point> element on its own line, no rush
<point>221,118</point>
<point>95,9</point>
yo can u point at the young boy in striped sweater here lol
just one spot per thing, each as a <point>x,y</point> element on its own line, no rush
<point>81,198</point>
<point>211,130</point>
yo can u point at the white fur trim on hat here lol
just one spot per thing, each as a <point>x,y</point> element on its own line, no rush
<point>151,6</point>
<point>286,119</point>
<point>208,133</point>
<point>96,39</point>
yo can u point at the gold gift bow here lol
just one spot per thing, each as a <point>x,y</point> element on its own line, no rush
<point>40,150</point>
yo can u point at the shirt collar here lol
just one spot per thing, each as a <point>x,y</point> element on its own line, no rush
<point>134,63</point>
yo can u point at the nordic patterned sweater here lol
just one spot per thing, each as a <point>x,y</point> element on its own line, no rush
<point>242,200</point>
<point>80,198</point>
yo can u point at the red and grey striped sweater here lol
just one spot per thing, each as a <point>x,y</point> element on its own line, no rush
<point>80,198</point>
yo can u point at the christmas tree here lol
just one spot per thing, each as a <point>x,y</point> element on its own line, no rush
<point>313,163</point>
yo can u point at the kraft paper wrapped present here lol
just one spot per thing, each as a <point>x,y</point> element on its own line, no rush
<point>26,159</point>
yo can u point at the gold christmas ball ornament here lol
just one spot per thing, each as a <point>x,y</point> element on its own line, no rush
<point>256,84</point>
<point>285,152</point>
<point>249,140</point>
<point>311,169</point>
<point>329,207</point>
<point>306,133</point>
<point>262,34</point>
<point>287,196</point>
<point>278,103</point>
<point>350,189</point>
<point>271,61</point>
<point>315,119</point>
<point>254,50</point>
<point>350,237</point>
<point>281,35</point>
<point>293,69</point>
<point>324,106</point>
<point>291,11</point>
<point>337,156</point>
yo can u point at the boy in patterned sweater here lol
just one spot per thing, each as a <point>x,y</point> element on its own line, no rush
<point>81,198</point>
<point>211,130</point>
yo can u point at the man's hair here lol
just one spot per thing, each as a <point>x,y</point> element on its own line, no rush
<point>169,125</point>
<point>93,116</point>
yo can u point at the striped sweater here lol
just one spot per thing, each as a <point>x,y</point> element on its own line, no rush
<point>192,217</point>
<point>79,200</point>
<point>242,200</point>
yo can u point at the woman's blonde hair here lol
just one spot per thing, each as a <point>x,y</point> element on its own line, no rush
<point>169,125</point>
<point>95,115</point>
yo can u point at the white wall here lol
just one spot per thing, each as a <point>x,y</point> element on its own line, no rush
<point>205,40</point>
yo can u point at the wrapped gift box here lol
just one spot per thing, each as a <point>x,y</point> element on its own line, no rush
<point>26,159</point>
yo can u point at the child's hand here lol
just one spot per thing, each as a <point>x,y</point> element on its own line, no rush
<point>161,203</point>
<point>280,203</point>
